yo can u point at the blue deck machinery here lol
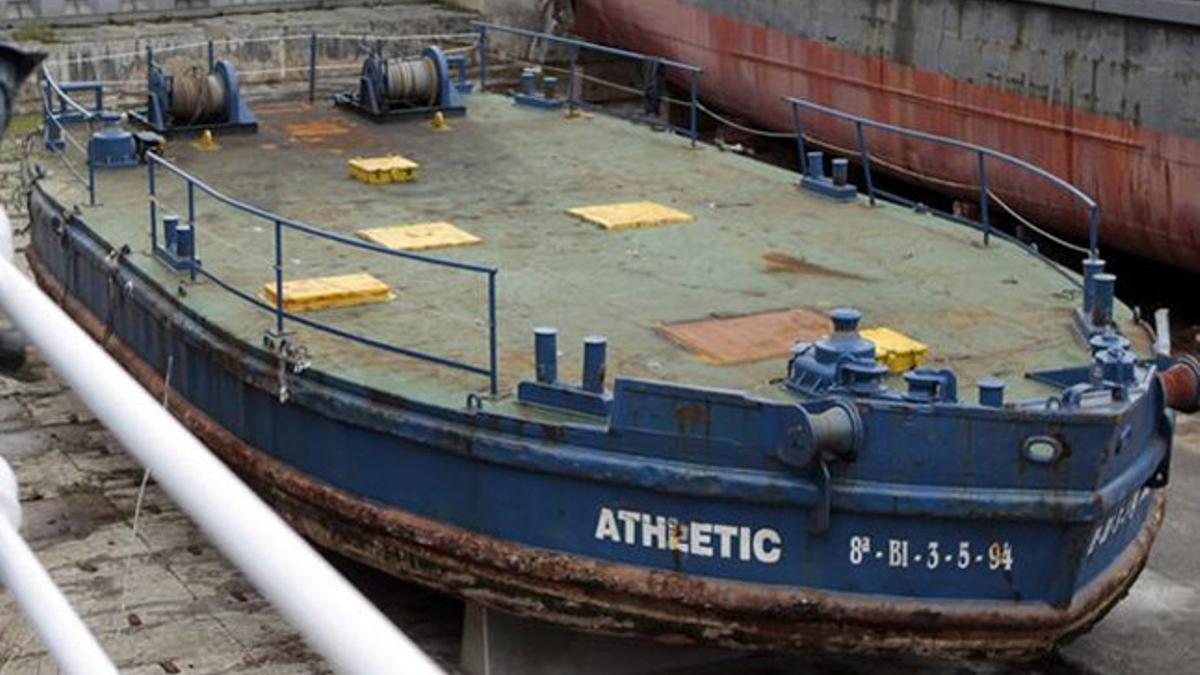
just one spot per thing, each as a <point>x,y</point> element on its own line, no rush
<point>195,101</point>
<point>398,88</point>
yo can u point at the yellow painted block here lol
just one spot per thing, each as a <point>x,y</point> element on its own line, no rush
<point>896,350</point>
<point>627,215</point>
<point>303,295</point>
<point>419,236</point>
<point>387,169</point>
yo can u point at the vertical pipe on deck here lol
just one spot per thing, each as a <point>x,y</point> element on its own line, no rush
<point>153,203</point>
<point>191,197</point>
<point>278,277</point>
<point>91,178</point>
<point>798,126</point>
<point>212,61</point>
<point>571,78</point>
<point>312,67</point>
<point>865,155</point>
<point>694,112</point>
<point>1094,230</point>
<point>983,198</point>
<point>483,58</point>
<point>493,373</point>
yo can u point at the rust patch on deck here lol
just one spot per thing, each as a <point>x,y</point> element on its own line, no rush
<point>316,131</point>
<point>775,261</point>
<point>752,337</point>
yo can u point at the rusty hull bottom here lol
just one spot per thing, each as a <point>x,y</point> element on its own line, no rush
<point>620,599</point>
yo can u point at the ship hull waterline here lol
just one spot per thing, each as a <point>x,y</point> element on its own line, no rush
<point>609,597</point>
<point>1140,174</point>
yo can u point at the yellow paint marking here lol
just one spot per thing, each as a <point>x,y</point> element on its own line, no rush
<point>896,350</point>
<point>628,215</point>
<point>388,169</point>
<point>303,295</point>
<point>419,236</point>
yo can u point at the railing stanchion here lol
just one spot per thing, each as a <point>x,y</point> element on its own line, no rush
<point>483,58</point>
<point>493,375</point>
<point>279,277</point>
<point>984,199</point>
<point>153,202</point>
<point>865,155</point>
<point>1094,231</point>
<point>694,122</point>
<point>212,59</point>
<point>798,126</point>
<point>91,179</point>
<point>571,78</point>
<point>312,68</point>
<point>191,206</point>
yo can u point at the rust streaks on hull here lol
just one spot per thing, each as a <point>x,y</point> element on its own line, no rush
<point>621,599</point>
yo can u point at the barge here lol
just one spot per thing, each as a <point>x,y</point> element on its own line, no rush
<point>1102,94</point>
<point>806,419</point>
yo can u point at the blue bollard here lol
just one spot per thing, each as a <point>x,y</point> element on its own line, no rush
<point>594,355</point>
<point>991,393</point>
<point>545,350</point>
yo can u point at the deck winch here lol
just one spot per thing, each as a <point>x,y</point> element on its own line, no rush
<point>391,88</point>
<point>196,100</point>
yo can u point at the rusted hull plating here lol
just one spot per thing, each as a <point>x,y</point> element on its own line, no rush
<point>1143,177</point>
<point>622,599</point>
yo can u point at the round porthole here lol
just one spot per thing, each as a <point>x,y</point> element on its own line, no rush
<point>1042,449</point>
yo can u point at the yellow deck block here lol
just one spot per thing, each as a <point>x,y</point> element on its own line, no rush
<point>896,350</point>
<point>627,215</point>
<point>303,295</point>
<point>419,236</point>
<point>387,169</point>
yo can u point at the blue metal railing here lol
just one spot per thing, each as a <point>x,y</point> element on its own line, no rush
<point>573,49</point>
<point>983,154</point>
<point>196,267</point>
<point>59,109</point>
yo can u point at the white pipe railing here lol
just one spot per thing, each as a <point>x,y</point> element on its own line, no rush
<point>61,629</point>
<point>340,624</point>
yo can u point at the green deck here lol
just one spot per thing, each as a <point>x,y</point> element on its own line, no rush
<point>506,173</point>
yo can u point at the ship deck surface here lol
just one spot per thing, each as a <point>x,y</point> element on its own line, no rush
<point>507,174</point>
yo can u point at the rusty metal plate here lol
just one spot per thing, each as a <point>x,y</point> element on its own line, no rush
<point>316,129</point>
<point>752,337</point>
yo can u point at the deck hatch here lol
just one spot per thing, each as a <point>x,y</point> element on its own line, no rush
<point>751,337</point>
<point>386,169</point>
<point>419,236</point>
<point>628,215</point>
<point>346,290</point>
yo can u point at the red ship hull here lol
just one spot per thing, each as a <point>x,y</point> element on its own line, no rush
<point>1145,180</point>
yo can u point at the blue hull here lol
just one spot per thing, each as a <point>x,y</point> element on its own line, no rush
<point>940,536</point>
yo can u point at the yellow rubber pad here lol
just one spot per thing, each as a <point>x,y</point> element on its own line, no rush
<point>387,169</point>
<point>419,236</point>
<point>628,215</point>
<point>896,350</point>
<point>303,295</point>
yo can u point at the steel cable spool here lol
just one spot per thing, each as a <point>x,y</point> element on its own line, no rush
<point>197,96</point>
<point>414,81</point>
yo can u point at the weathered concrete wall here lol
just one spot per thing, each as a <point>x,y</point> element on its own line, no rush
<point>83,12</point>
<point>524,13</point>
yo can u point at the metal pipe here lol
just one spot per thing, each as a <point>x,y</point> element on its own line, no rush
<point>212,62</point>
<point>694,109</point>
<point>340,624</point>
<point>558,39</point>
<point>153,205</point>
<point>798,126</point>
<point>66,638</point>
<point>312,67</point>
<point>595,350</point>
<point>493,367</point>
<point>571,78</point>
<point>278,277</point>
<point>483,57</point>
<point>983,199</point>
